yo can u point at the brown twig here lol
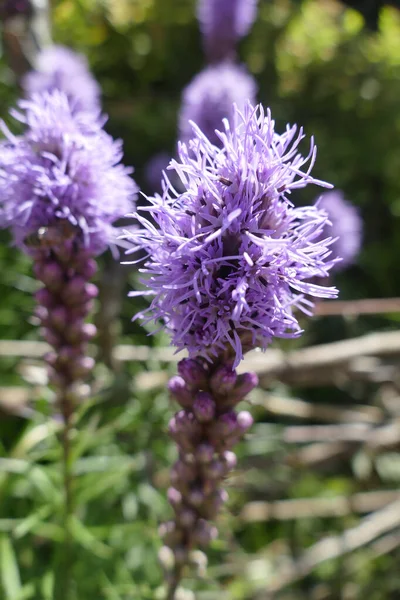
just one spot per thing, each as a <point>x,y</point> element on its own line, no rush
<point>367,306</point>
<point>368,530</point>
<point>301,508</point>
<point>295,408</point>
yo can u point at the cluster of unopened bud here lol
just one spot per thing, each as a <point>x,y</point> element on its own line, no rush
<point>205,430</point>
<point>63,305</point>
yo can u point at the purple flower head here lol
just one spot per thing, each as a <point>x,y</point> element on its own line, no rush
<point>346,225</point>
<point>223,23</point>
<point>229,261</point>
<point>60,68</point>
<point>13,8</point>
<point>209,98</point>
<point>63,169</point>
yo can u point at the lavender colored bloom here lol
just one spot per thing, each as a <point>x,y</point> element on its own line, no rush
<point>14,8</point>
<point>209,98</point>
<point>64,170</point>
<point>223,23</point>
<point>346,225</point>
<point>231,259</point>
<point>58,67</point>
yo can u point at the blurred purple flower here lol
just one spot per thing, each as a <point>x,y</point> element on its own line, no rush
<point>346,226</point>
<point>63,168</point>
<point>60,68</point>
<point>223,23</point>
<point>13,8</point>
<point>231,258</point>
<point>210,96</point>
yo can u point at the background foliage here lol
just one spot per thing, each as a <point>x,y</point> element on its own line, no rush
<point>316,64</point>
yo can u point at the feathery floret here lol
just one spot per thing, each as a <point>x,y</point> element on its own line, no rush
<point>63,167</point>
<point>231,259</point>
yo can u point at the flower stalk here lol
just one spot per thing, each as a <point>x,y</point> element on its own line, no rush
<point>206,430</point>
<point>63,305</point>
<point>62,187</point>
<point>230,262</point>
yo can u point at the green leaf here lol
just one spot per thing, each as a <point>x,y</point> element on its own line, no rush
<point>87,540</point>
<point>32,521</point>
<point>10,578</point>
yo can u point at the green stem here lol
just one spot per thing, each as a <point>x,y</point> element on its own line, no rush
<point>63,575</point>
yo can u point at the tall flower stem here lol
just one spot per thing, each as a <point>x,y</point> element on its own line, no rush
<point>62,186</point>
<point>64,302</point>
<point>174,583</point>
<point>205,431</point>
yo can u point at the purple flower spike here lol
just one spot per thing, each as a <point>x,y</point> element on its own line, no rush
<point>210,96</point>
<point>223,23</point>
<point>61,189</point>
<point>61,183</point>
<point>231,260</point>
<point>204,407</point>
<point>346,225</point>
<point>58,67</point>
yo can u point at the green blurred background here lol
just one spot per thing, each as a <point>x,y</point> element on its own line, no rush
<point>318,65</point>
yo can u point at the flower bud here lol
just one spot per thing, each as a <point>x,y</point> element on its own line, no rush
<point>204,453</point>
<point>204,532</point>
<point>177,388</point>
<point>50,273</point>
<point>51,338</point>
<point>81,310</point>
<point>174,497</point>
<point>66,355</point>
<point>187,424</point>
<point>193,372</point>
<point>42,314</point>
<point>223,379</point>
<point>73,290</point>
<point>230,460</point>
<point>82,366</point>
<point>204,407</point>
<point>196,497</point>
<point>45,298</point>
<point>244,420</point>
<point>50,358</point>
<point>88,268</point>
<point>187,517</point>
<point>245,384</point>
<point>91,290</point>
<point>58,317</point>
<point>224,426</point>
<point>181,472</point>
<point>213,503</point>
<point>215,470</point>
